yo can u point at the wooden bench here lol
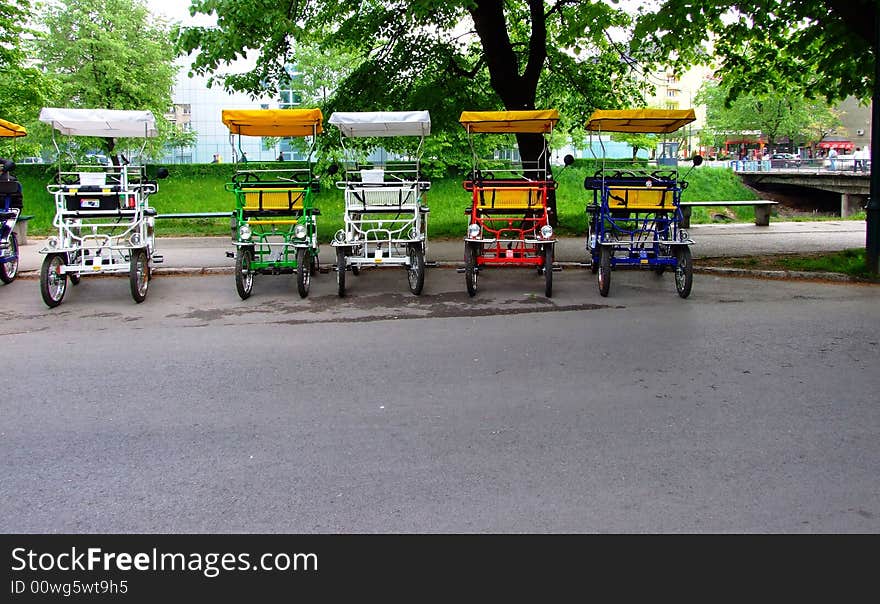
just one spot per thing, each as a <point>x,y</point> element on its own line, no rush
<point>762,209</point>
<point>21,228</point>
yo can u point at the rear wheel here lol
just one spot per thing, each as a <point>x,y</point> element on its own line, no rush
<point>470,268</point>
<point>53,283</point>
<point>303,271</point>
<point>8,270</point>
<point>548,270</point>
<point>139,275</point>
<point>604,270</point>
<point>415,272</point>
<point>244,277</point>
<point>340,271</point>
<point>684,271</point>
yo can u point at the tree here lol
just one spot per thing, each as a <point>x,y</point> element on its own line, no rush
<point>648,142</point>
<point>25,88</point>
<point>823,47</point>
<point>774,113</point>
<point>478,54</point>
<point>109,54</point>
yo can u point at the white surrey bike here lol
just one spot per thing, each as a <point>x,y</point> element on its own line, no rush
<point>102,214</point>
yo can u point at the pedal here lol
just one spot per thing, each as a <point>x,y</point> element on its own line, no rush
<point>158,259</point>
<point>431,263</point>
<point>324,270</point>
<point>557,269</point>
<point>230,254</point>
<point>459,270</point>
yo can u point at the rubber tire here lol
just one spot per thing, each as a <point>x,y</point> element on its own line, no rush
<point>415,272</point>
<point>45,271</point>
<point>340,272</point>
<point>244,283</point>
<point>8,270</point>
<point>470,268</point>
<point>548,270</point>
<point>314,264</point>
<point>604,270</point>
<point>684,271</point>
<point>139,288</point>
<point>303,271</point>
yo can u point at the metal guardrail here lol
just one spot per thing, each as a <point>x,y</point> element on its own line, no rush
<point>196,215</point>
<point>813,166</point>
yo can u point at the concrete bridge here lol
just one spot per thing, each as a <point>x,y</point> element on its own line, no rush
<point>853,187</point>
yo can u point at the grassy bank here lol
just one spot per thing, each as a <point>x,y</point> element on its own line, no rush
<point>201,188</point>
<point>848,262</point>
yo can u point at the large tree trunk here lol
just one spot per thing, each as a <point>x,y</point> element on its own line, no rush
<point>517,90</point>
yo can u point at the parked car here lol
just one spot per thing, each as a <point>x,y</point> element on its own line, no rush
<point>31,160</point>
<point>784,160</point>
<point>97,158</point>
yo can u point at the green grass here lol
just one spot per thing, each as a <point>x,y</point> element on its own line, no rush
<point>200,188</point>
<point>849,262</point>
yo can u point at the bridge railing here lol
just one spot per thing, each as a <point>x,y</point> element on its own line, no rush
<point>845,164</point>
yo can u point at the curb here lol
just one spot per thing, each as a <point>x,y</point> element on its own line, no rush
<point>706,270</point>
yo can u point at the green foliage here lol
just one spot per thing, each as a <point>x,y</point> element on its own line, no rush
<point>201,188</point>
<point>421,54</point>
<point>774,113</point>
<point>109,54</point>
<point>822,47</point>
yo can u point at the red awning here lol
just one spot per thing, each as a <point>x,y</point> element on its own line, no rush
<point>835,145</point>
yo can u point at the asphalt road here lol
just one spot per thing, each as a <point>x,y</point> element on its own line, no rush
<point>749,407</point>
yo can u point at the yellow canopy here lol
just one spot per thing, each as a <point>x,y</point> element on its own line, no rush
<point>9,129</point>
<point>640,120</point>
<point>534,122</point>
<point>274,122</point>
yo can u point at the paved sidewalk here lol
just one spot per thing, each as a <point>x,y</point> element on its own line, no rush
<point>194,254</point>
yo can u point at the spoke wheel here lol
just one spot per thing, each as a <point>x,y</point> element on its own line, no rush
<point>139,275</point>
<point>470,268</point>
<point>604,270</point>
<point>53,283</point>
<point>415,272</point>
<point>340,271</point>
<point>684,271</point>
<point>8,270</point>
<point>314,264</point>
<point>303,271</point>
<point>244,277</point>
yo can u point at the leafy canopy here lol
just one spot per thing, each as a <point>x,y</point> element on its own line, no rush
<point>775,113</point>
<point>816,47</point>
<point>443,56</point>
<point>109,54</point>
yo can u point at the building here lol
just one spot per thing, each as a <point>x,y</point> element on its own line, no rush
<point>198,107</point>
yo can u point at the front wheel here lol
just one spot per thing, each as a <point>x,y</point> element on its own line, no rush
<point>470,268</point>
<point>604,270</point>
<point>684,271</point>
<point>244,277</point>
<point>548,270</point>
<point>303,271</point>
<point>8,270</point>
<point>415,272</point>
<point>340,271</point>
<point>139,275</point>
<point>53,283</point>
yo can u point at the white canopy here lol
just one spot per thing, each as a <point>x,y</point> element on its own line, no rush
<point>105,123</point>
<point>382,123</point>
